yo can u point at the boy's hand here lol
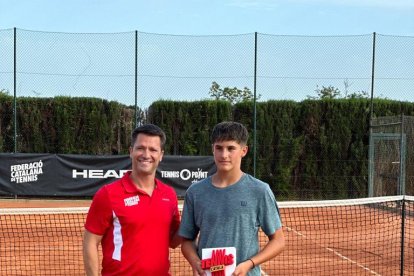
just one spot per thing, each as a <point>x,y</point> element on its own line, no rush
<point>197,271</point>
<point>242,269</point>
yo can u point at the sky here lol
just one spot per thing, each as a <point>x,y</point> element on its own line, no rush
<point>212,17</point>
<point>295,57</point>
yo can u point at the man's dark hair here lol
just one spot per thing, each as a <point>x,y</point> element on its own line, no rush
<point>151,130</point>
<point>230,131</point>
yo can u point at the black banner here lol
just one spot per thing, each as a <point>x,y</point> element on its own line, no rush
<point>73,175</point>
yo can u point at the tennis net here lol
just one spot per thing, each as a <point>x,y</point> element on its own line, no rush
<point>373,236</point>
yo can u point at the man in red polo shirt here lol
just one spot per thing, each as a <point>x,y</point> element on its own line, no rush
<point>135,218</point>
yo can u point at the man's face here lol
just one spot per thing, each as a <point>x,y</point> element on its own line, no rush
<point>228,155</point>
<point>146,154</point>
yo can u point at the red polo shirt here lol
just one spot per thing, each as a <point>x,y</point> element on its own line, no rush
<point>135,227</point>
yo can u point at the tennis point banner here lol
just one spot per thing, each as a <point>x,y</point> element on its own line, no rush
<point>75,175</point>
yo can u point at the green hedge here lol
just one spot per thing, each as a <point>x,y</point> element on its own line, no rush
<point>188,124</point>
<point>312,149</point>
<point>66,125</point>
<point>6,123</point>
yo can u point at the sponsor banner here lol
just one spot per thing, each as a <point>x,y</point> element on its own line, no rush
<point>82,175</point>
<point>180,171</point>
<point>22,174</point>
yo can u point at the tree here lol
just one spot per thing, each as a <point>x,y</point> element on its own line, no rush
<point>4,92</point>
<point>354,95</point>
<point>233,95</point>
<point>331,92</point>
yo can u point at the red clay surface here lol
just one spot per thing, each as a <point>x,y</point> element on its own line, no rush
<point>317,244</point>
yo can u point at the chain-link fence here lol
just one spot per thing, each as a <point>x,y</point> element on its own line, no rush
<point>391,156</point>
<point>139,68</point>
<point>136,68</point>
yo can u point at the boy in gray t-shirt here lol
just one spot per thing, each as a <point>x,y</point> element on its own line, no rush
<point>228,208</point>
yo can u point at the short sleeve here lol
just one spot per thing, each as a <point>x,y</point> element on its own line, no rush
<point>100,213</point>
<point>269,215</point>
<point>188,228</point>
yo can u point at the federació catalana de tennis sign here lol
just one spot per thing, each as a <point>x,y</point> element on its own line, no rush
<point>82,175</point>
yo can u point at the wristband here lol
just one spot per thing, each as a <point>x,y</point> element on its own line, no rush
<point>252,263</point>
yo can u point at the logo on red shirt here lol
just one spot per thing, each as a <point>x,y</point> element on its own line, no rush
<point>131,201</point>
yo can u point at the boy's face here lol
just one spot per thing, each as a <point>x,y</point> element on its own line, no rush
<point>228,155</point>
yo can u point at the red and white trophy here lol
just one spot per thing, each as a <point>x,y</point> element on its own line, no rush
<point>218,261</point>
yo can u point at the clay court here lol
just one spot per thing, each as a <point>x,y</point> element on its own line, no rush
<point>346,240</point>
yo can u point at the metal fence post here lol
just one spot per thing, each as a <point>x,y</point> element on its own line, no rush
<point>254,106</point>
<point>136,79</point>
<point>372,75</point>
<point>14,90</point>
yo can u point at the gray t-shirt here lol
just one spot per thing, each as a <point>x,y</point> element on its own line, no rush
<point>231,216</point>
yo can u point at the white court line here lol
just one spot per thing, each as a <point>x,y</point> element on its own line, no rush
<point>337,254</point>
